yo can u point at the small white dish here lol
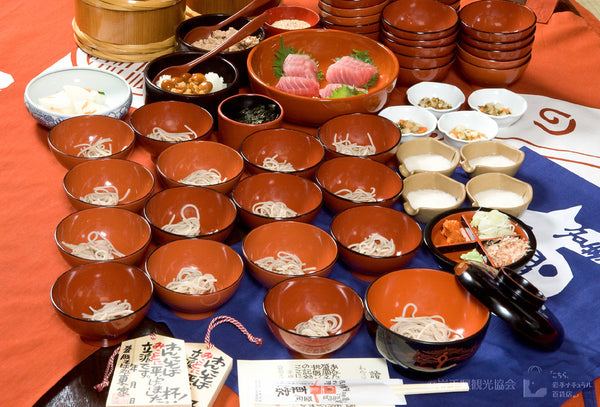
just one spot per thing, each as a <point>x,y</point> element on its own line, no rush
<point>470,119</point>
<point>444,91</point>
<point>510,100</point>
<point>413,113</point>
<point>117,91</point>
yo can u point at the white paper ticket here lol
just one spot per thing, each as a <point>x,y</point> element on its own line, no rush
<point>326,392</point>
<point>250,372</point>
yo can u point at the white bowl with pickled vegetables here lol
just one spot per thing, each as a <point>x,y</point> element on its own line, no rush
<point>466,126</point>
<point>502,105</point>
<point>437,97</point>
<point>413,121</point>
<point>54,96</point>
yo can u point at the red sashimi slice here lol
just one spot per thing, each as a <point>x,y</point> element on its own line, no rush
<point>298,86</point>
<point>350,71</point>
<point>300,65</point>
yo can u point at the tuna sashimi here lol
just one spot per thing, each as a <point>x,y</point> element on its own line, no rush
<point>350,71</point>
<point>300,65</point>
<point>298,86</point>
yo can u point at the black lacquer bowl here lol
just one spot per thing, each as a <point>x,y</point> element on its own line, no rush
<point>433,292</point>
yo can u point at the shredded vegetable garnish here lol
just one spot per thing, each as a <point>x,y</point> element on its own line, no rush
<point>492,224</point>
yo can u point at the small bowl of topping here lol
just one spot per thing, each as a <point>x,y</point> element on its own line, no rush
<point>500,191</point>
<point>437,97</point>
<point>90,137</point>
<point>356,181</point>
<point>190,212</point>
<point>240,115</point>
<point>413,121</point>
<point>374,240</point>
<point>360,135</point>
<point>490,156</point>
<point>109,182</point>
<point>194,277</point>
<point>427,155</point>
<point>287,18</point>
<point>237,54</point>
<point>206,85</point>
<point>427,194</point>
<point>502,105</point>
<point>466,127</point>
<point>279,250</point>
<point>326,315</point>
<point>54,96</point>
<point>201,163</point>
<point>276,196</point>
<point>103,234</point>
<point>160,125</point>
<point>104,315</point>
<point>282,150</point>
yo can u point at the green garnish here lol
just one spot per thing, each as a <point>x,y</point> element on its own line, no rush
<point>282,53</point>
<point>345,91</point>
<point>473,255</point>
<point>364,57</point>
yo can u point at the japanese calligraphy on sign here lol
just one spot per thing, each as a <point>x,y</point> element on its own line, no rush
<point>150,371</point>
<point>208,369</point>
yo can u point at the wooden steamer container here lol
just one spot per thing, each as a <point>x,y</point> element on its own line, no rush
<point>127,30</point>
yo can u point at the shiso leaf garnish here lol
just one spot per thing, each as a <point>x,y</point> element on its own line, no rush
<point>282,53</point>
<point>346,91</point>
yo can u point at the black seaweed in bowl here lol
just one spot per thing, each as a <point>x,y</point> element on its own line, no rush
<point>253,109</point>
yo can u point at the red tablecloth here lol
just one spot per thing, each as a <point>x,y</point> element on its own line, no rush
<point>36,348</point>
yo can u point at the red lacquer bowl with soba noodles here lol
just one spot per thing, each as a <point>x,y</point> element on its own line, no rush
<point>396,303</point>
<point>126,290</point>
<point>277,251</point>
<point>313,316</point>
<point>194,277</point>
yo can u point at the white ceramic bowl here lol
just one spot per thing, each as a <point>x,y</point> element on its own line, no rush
<point>470,119</point>
<point>511,100</point>
<point>449,93</point>
<point>117,91</point>
<point>416,114</point>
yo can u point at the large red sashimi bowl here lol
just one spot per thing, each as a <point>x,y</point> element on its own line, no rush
<point>324,46</point>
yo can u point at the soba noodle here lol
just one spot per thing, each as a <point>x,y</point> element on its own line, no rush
<point>105,195</point>
<point>95,149</point>
<point>320,325</point>
<point>109,310</point>
<point>190,280</point>
<point>204,177</point>
<point>187,226</point>
<point>427,328</point>
<point>358,195</point>
<point>285,263</point>
<point>271,164</point>
<point>97,247</point>
<point>164,135</point>
<point>273,209</point>
<point>345,146</point>
<point>375,245</point>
